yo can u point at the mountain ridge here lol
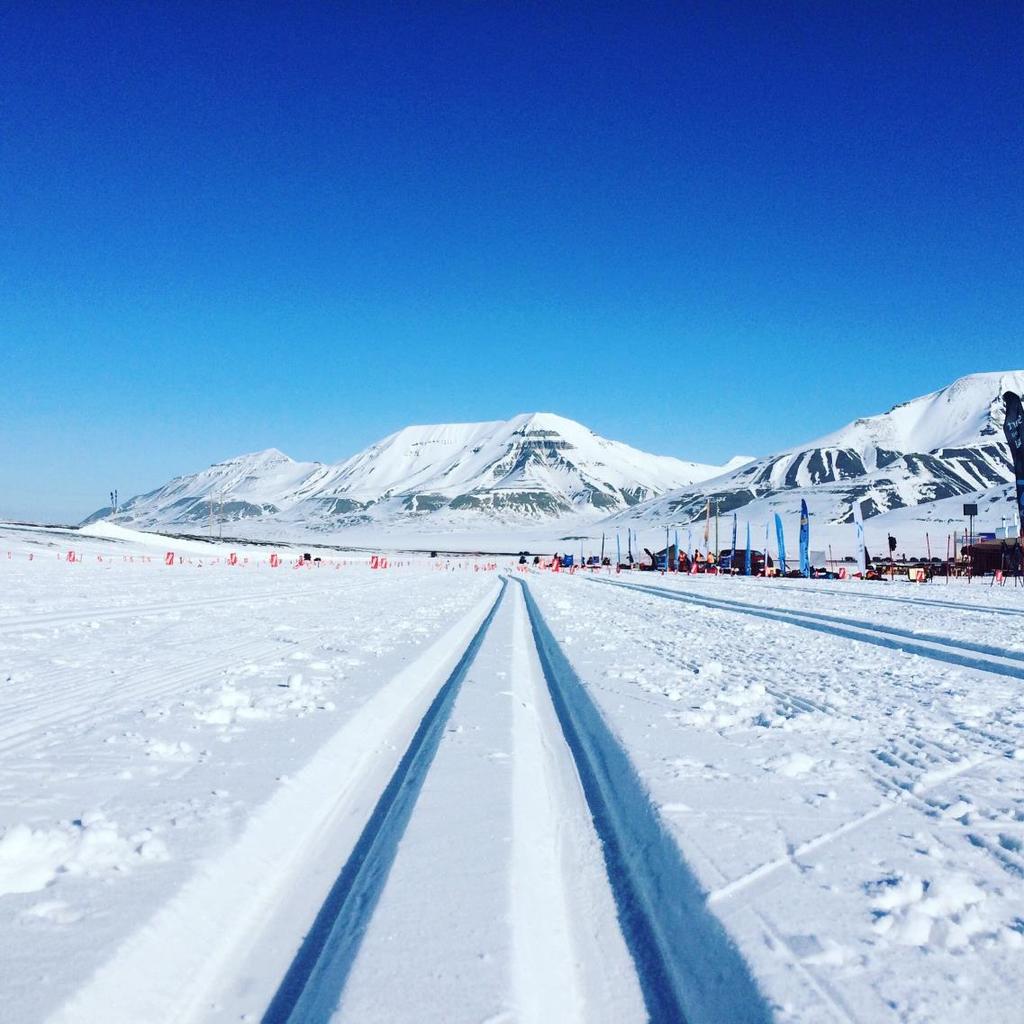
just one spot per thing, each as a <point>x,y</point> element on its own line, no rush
<point>537,468</point>
<point>946,443</point>
<point>532,466</point>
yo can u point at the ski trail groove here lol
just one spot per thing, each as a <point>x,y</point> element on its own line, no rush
<point>80,706</point>
<point>962,653</point>
<point>225,939</point>
<point>792,858</point>
<point>922,602</point>
<point>545,977</point>
<point>570,962</point>
<point>312,986</point>
<point>690,971</point>
<point>50,620</point>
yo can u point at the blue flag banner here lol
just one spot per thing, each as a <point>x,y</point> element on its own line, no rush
<point>858,526</point>
<point>734,539</point>
<point>780,537</point>
<point>618,549</point>
<point>766,525</point>
<point>805,540</point>
<point>746,566</point>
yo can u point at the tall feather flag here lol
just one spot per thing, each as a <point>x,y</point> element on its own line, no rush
<point>618,549</point>
<point>766,549</point>
<point>781,538</point>
<point>746,564</point>
<point>805,540</point>
<point>732,558</point>
<point>677,548</point>
<point>1013,428</point>
<point>858,525</point>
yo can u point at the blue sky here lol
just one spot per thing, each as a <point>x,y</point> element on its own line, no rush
<point>700,229</point>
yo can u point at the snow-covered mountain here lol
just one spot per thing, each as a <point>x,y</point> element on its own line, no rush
<point>532,467</point>
<point>939,446</point>
<point>540,470</point>
<point>250,486</point>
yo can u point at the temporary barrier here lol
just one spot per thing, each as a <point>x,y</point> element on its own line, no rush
<point>275,560</point>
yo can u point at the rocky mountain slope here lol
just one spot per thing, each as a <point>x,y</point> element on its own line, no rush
<point>936,447</point>
<point>533,467</point>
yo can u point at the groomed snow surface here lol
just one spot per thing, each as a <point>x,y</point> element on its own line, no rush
<point>447,792</point>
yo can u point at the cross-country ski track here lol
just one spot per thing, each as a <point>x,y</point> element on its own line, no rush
<point>554,932</point>
<point>516,797</point>
<point>993,659</point>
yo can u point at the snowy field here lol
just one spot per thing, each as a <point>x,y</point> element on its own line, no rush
<point>455,793</point>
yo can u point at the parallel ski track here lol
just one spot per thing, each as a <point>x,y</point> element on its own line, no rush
<point>50,620</point>
<point>964,653</point>
<point>923,602</point>
<point>74,705</point>
<point>51,687</point>
<point>1003,745</point>
<point>150,684</point>
<point>686,964</point>
<point>687,967</point>
<point>313,984</point>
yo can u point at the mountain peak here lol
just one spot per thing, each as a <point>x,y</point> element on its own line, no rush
<point>546,421</point>
<point>535,465</point>
<point>969,408</point>
<point>736,461</point>
<point>265,456</point>
<point>271,455</point>
<point>938,446</point>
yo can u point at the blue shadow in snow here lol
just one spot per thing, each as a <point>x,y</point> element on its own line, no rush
<point>689,969</point>
<point>312,987</point>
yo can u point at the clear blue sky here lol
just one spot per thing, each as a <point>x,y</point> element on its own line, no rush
<point>702,229</point>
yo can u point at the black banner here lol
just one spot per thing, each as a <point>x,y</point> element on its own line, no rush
<point>1013,427</point>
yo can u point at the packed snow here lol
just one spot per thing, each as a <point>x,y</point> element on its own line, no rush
<point>193,747</point>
